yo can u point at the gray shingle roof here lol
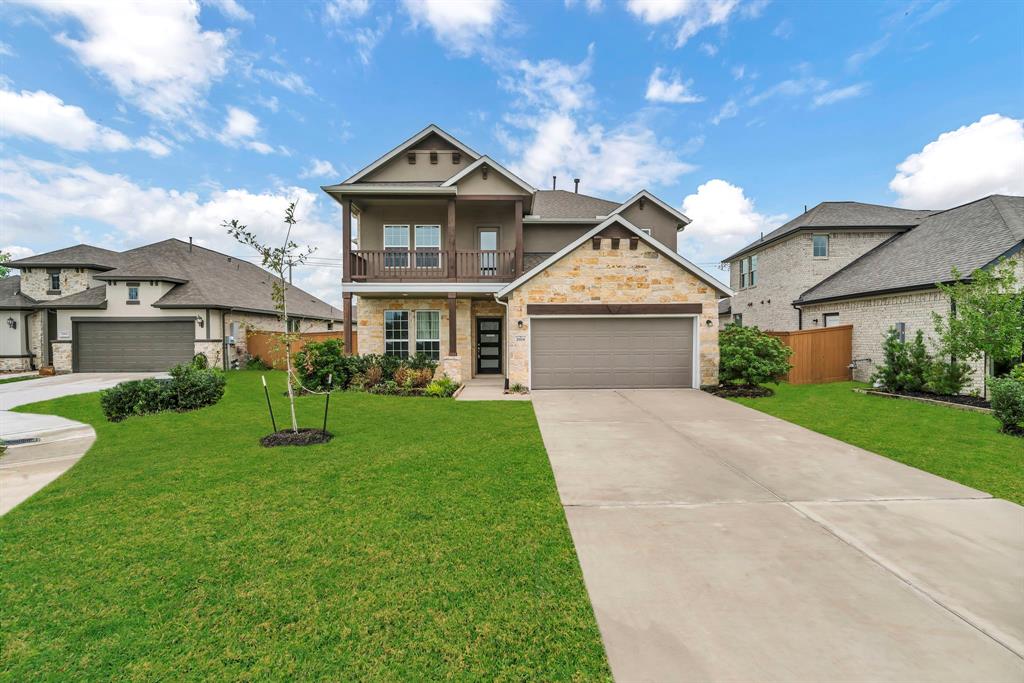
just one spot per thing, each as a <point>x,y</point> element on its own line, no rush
<point>94,297</point>
<point>967,237</point>
<point>80,255</point>
<point>11,297</point>
<point>561,204</point>
<point>724,306</point>
<point>841,215</point>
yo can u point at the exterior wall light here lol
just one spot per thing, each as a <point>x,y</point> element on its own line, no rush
<point>12,323</point>
<point>520,324</point>
<point>709,322</point>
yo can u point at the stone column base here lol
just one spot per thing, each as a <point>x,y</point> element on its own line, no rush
<point>451,366</point>
<point>61,357</point>
<point>17,364</point>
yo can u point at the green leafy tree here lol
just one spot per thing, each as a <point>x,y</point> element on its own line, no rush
<point>750,357</point>
<point>278,260</point>
<point>896,363</point>
<point>5,258</point>
<point>989,317</point>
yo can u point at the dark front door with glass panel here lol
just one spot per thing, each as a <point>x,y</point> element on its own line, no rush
<point>488,346</point>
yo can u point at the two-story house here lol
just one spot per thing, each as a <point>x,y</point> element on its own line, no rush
<point>88,309</point>
<point>768,275</point>
<point>458,258</point>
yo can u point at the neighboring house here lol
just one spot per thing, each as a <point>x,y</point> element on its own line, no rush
<point>724,312</point>
<point>893,285</point>
<point>86,309</point>
<point>769,274</point>
<point>462,260</point>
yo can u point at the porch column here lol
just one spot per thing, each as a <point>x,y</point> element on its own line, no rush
<point>346,246</point>
<point>453,334</point>
<point>346,298</point>
<point>519,236</point>
<point>449,240</point>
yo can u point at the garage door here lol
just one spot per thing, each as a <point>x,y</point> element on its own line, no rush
<point>611,353</point>
<point>105,346</point>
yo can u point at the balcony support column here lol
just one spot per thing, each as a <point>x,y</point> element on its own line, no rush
<point>346,298</point>
<point>449,240</point>
<point>453,335</point>
<point>346,243</point>
<point>519,237</point>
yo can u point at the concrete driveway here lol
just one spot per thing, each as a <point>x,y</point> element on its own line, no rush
<point>722,544</point>
<point>45,446</point>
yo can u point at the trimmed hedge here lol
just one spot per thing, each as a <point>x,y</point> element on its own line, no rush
<point>188,388</point>
<point>1008,404</point>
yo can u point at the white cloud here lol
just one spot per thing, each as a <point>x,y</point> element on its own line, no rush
<point>792,87</point>
<point>241,128</point>
<point>343,11</point>
<point>155,54</point>
<point>318,168</point>
<point>784,29</point>
<point>17,252</point>
<point>857,60</point>
<point>42,198</point>
<point>738,72</point>
<point>6,50</point>
<point>285,79</point>
<point>551,83</point>
<point>724,220</point>
<point>672,90</point>
<point>44,116</point>
<point>983,158</point>
<point>690,16</point>
<point>366,38</point>
<point>709,49</point>
<point>591,5</point>
<point>617,161</point>
<point>231,9</point>
<point>729,110</point>
<point>457,25</point>
<point>839,94</point>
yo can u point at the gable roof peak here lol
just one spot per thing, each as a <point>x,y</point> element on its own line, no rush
<point>431,129</point>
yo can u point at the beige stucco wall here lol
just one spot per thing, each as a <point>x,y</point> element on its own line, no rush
<point>787,269</point>
<point>117,307</point>
<point>873,317</point>
<point>13,340</point>
<point>611,275</point>
<point>469,216</point>
<point>662,224</point>
<point>495,183</point>
<point>399,169</point>
<point>548,239</point>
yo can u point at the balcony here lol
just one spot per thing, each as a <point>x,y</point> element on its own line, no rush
<point>432,265</point>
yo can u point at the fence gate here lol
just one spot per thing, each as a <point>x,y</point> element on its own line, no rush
<point>819,355</point>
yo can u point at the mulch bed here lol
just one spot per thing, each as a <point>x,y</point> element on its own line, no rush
<point>975,401</point>
<point>740,391</point>
<point>307,436</point>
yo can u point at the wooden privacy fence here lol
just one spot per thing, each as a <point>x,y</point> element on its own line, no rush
<point>819,355</point>
<point>268,346</point>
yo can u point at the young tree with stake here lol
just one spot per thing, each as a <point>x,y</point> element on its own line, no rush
<point>277,260</point>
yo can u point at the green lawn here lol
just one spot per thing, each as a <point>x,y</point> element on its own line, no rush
<point>425,542</point>
<point>957,444</point>
<point>8,380</point>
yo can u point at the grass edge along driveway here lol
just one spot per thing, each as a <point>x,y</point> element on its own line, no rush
<point>961,445</point>
<point>426,541</point>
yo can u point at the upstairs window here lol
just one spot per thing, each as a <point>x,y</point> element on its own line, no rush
<point>428,238</point>
<point>744,270</point>
<point>133,292</point>
<point>753,270</point>
<point>820,246</point>
<point>54,276</point>
<point>396,333</point>
<point>396,239</point>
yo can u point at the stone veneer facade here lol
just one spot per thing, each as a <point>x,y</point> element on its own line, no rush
<point>787,269</point>
<point>612,276</point>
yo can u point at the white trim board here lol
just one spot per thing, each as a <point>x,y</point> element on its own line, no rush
<point>650,197</point>
<point>494,165</point>
<point>616,219</point>
<point>388,156</point>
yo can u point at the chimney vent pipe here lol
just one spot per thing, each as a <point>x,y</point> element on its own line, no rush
<point>190,244</point>
<point>554,182</point>
<point>577,182</point>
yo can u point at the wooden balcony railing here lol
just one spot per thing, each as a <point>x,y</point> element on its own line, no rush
<point>413,265</point>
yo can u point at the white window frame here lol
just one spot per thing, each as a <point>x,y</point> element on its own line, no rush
<point>646,231</point>
<point>744,271</point>
<point>130,286</point>
<point>415,334</point>
<point>427,260</point>
<point>752,271</point>
<point>396,340</point>
<point>825,317</point>
<point>396,260</point>
<point>828,246</point>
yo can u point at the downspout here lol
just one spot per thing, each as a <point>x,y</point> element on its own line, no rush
<point>799,317</point>
<point>504,347</point>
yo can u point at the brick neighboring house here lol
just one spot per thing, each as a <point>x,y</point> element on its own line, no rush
<point>458,258</point>
<point>87,309</point>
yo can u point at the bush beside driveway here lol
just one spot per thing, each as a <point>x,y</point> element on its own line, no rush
<point>424,542</point>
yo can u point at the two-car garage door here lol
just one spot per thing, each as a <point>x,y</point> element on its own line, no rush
<point>136,346</point>
<point>618,352</point>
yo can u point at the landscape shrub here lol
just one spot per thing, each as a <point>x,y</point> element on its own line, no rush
<point>908,367</point>
<point>1018,372</point>
<point>188,388</point>
<point>256,363</point>
<point>948,378</point>
<point>750,357</point>
<point>442,387</point>
<point>200,361</point>
<point>896,360</point>
<point>919,364</point>
<point>318,360</point>
<point>1008,404</point>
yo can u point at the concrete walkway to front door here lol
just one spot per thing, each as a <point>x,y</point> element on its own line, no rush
<point>722,544</point>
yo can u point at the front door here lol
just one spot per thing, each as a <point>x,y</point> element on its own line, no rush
<point>488,346</point>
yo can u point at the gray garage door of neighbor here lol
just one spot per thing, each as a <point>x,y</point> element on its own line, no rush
<point>611,353</point>
<point>136,346</point>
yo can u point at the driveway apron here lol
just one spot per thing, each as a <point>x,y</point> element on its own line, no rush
<point>722,544</point>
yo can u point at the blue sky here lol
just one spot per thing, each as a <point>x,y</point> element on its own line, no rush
<point>124,124</point>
